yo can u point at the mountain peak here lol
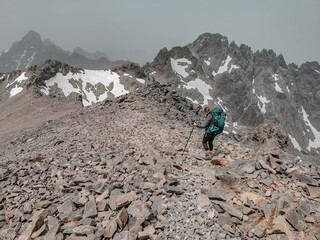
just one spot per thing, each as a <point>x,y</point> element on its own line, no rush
<point>211,37</point>
<point>31,50</point>
<point>32,36</point>
<point>210,40</point>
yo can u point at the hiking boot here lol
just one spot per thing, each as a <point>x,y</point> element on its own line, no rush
<point>215,154</point>
<point>208,155</point>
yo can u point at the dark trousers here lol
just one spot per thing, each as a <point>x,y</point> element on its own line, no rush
<point>207,141</point>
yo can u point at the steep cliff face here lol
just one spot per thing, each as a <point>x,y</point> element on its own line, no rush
<point>251,87</point>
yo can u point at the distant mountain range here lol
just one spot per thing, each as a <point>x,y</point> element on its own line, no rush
<point>31,50</point>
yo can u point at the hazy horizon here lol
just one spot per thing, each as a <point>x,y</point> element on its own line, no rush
<point>136,30</point>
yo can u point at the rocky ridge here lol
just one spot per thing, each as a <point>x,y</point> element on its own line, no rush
<point>117,170</point>
<point>32,97</point>
<point>251,87</point>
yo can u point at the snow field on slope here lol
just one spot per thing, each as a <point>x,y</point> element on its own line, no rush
<point>19,79</point>
<point>179,66</point>
<point>180,69</point>
<point>225,67</point>
<point>295,143</point>
<point>262,100</point>
<point>202,87</point>
<point>87,81</point>
<point>316,142</point>
<point>277,87</point>
<point>14,91</point>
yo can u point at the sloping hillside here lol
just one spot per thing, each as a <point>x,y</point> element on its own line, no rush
<point>116,170</point>
<point>29,98</point>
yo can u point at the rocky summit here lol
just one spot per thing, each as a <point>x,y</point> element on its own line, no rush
<point>251,87</point>
<point>118,170</point>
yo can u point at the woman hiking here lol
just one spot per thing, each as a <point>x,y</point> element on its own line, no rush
<point>211,131</point>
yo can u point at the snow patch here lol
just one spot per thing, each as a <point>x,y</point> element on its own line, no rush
<point>30,59</point>
<point>19,79</point>
<point>154,72</point>
<point>276,78</point>
<point>179,66</point>
<point>294,142</point>
<point>288,89</point>
<point>253,90</point>
<point>127,75</point>
<point>14,91</point>
<point>278,88</point>
<point>87,82</point>
<point>194,101</point>
<point>19,61</point>
<point>233,67</point>
<point>317,71</point>
<point>263,101</point>
<point>225,67</point>
<point>45,90</point>
<point>202,87</point>
<point>23,54</point>
<point>316,142</point>
<point>207,61</point>
<point>140,80</point>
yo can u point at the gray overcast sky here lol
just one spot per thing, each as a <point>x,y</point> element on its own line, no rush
<point>137,29</point>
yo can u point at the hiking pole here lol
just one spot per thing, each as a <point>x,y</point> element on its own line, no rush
<point>188,140</point>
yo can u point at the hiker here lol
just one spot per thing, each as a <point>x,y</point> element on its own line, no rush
<point>211,129</point>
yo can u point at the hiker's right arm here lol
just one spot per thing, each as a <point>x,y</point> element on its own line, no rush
<point>206,122</point>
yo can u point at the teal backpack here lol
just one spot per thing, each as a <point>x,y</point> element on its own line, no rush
<point>218,121</point>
